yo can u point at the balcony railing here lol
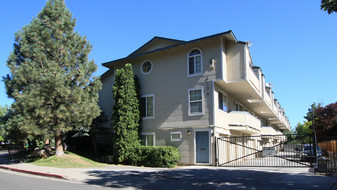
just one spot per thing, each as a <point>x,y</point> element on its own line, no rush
<point>267,98</point>
<point>253,78</point>
<point>267,130</point>
<point>237,119</point>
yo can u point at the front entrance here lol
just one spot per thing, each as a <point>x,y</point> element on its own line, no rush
<point>202,147</point>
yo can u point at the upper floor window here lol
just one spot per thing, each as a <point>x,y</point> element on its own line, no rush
<point>194,66</point>
<point>195,103</point>
<point>222,102</point>
<point>146,67</point>
<point>147,106</point>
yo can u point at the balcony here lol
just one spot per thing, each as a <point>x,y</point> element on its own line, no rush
<point>243,122</point>
<point>247,84</point>
<point>267,130</point>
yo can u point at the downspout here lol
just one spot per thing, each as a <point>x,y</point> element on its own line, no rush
<point>221,58</point>
<point>213,103</point>
<point>213,125</point>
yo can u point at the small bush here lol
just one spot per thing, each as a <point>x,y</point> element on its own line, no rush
<point>155,156</point>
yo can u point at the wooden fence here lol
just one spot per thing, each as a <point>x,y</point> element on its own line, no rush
<point>328,146</point>
<point>329,150</point>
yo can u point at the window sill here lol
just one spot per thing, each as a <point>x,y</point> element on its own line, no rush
<point>195,114</point>
<point>194,75</point>
<point>148,117</point>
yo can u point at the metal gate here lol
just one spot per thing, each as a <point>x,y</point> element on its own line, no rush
<point>263,151</point>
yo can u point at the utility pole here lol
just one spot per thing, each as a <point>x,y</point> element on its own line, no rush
<point>314,139</point>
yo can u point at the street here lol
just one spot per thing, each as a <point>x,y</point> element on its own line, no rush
<point>179,178</point>
<point>17,181</point>
<point>214,178</point>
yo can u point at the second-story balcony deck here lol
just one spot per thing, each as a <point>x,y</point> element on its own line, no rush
<point>267,130</point>
<point>244,122</point>
<point>247,84</point>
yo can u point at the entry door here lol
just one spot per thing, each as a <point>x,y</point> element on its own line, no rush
<point>202,146</point>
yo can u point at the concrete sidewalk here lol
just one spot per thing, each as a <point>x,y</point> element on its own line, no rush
<point>73,174</point>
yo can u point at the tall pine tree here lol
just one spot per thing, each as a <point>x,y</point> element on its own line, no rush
<point>51,77</point>
<point>125,116</point>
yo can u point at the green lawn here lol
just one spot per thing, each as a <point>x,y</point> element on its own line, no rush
<point>69,160</point>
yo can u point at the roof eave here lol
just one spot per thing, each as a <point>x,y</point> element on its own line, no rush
<point>107,64</point>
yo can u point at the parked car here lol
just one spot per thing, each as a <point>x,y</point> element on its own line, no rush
<point>307,154</point>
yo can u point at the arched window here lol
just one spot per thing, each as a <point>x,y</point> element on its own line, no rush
<point>194,62</point>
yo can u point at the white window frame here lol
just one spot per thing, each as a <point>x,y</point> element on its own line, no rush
<point>226,102</point>
<point>145,96</point>
<point>146,135</point>
<point>202,101</point>
<point>176,133</point>
<point>141,67</point>
<point>201,62</point>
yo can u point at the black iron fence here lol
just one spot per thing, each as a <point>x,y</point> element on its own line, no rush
<point>264,151</point>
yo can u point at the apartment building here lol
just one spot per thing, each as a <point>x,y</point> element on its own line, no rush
<point>193,91</point>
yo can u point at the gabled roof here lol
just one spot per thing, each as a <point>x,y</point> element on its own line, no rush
<point>156,40</point>
<point>142,50</point>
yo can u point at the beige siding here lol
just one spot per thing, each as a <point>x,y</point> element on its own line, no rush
<point>169,83</point>
<point>106,97</point>
<point>185,145</point>
<point>221,118</point>
<point>222,74</point>
<point>235,62</point>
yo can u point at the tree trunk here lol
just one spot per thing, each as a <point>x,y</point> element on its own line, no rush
<point>93,139</point>
<point>58,143</point>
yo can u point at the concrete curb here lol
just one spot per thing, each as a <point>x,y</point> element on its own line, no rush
<point>33,172</point>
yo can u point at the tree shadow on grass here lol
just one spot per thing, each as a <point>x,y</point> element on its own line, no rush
<point>209,179</point>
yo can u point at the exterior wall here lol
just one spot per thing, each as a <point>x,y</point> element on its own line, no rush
<point>106,97</point>
<point>221,66</point>
<point>221,117</point>
<point>169,82</point>
<point>235,61</point>
<point>185,145</point>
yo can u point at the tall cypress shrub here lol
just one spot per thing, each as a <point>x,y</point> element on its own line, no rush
<point>125,116</point>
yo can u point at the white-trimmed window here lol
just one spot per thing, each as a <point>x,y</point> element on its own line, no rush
<point>147,106</point>
<point>222,101</point>
<point>146,67</point>
<point>195,101</point>
<point>175,136</point>
<point>148,139</point>
<point>194,62</point>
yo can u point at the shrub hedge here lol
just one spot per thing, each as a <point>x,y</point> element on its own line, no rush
<point>155,156</point>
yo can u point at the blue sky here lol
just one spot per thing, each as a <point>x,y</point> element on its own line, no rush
<point>294,42</point>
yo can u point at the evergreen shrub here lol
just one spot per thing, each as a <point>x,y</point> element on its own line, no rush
<point>156,156</point>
